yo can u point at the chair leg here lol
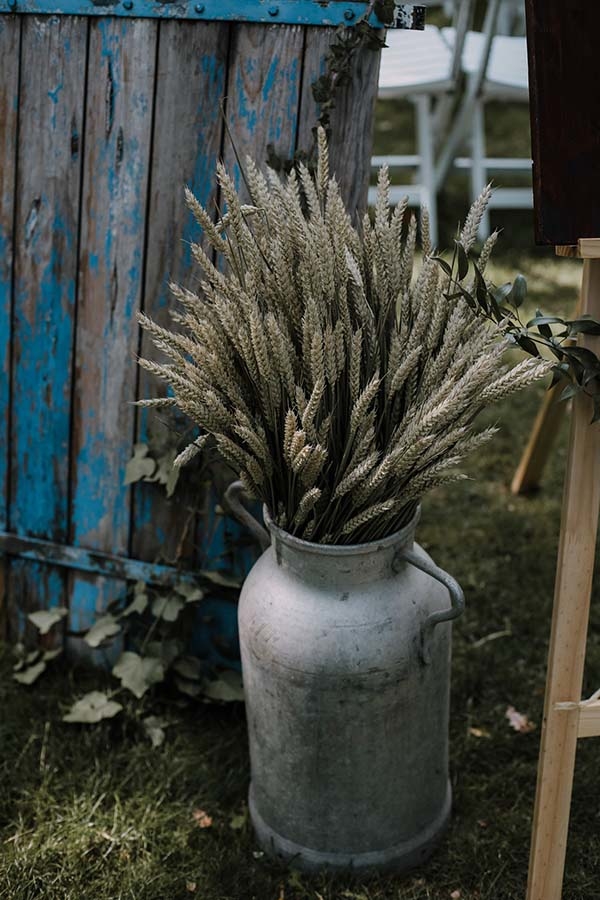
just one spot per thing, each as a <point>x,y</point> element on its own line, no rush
<point>426,168</point>
<point>478,170</point>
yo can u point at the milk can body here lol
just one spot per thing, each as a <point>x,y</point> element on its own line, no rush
<point>346,666</point>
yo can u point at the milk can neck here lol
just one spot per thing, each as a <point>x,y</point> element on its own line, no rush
<point>344,564</point>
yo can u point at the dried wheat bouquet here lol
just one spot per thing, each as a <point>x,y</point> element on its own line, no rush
<point>338,383</point>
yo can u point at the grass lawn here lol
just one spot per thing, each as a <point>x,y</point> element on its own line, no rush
<point>95,813</point>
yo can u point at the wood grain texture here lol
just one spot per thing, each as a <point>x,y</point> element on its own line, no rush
<point>564,71</point>
<point>10,32</point>
<point>263,91</point>
<point>117,148</point>
<point>188,127</point>
<point>576,553</point>
<point>48,186</point>
<point>351,141</point>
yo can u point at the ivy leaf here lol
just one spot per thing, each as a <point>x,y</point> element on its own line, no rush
<point>154,726</point>
<point>167,608</point>
<point>102,629</point>
<point>190,688</point>
<point>138,604</point>
<point>188,667</point>
<point>31,673</point>
<point>137,673</point>
<point>221,579</point>
<point>49,655</point>
<point>140,465</point>
<point>191,592</point>
<point>91,708</point>
<point>226,688</point>
<point>44,619</point>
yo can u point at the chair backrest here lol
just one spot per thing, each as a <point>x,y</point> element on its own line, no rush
<point>462,20</point>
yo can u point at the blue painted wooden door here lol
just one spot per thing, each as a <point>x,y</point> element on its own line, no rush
<point>103,120</point>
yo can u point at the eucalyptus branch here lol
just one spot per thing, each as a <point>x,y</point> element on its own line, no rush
<point>579,366</point>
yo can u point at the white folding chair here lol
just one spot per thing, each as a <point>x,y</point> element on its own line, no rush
<point>422,67</point>
<point>496,69</point>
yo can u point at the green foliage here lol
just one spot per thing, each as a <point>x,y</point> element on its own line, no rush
<point>550,334</point>
<point>92,708</point>
<point>44,619</point>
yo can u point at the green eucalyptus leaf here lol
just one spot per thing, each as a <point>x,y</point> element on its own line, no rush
<point>443,265</point>
<point>517,292</point>
<point>462,261</point>
<point>92,708</point>
<point>44,619</point>
<point>526,343</point>
<point>31,673</point>
<point>570,391</point>
<point>137,673</point>
<point>583,325</point>
<point>103,628</point>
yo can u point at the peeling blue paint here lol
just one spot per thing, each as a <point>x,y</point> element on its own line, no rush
<point>289,12</point>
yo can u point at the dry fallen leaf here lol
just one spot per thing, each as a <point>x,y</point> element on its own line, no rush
<point>482,823</point>
<point>191,886</point>
<point>455,895</point>
<point>202,819</point>
<point>518,721</point>
<point>479,732</point>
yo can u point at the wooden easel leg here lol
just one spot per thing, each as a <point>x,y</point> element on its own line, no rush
<point>581,504</point>
<point>545,428</point>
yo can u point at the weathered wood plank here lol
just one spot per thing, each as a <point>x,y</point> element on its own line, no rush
<point>570,615</point>
<point>48,186</point>
<point>188,127</point>
<point>263,91</point>
<point>10,31</point>
<point>351,140</point>
<point>120,81</point>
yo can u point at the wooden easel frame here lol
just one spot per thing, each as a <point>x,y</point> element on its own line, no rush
<point>566,717</point>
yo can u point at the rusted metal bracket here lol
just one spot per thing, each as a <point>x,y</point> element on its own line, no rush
<point>283,12</point>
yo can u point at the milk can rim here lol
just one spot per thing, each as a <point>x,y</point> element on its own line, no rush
<point>295,543</point>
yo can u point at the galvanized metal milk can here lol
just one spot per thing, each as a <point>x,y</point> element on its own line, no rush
<point>346,667</point>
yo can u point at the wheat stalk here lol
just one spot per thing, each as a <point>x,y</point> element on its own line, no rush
<point>337,378</point>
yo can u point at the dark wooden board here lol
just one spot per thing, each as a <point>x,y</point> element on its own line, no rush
<point>10,32</point>
<point>351,139</point>
<point>188,130</point>
<point>53,52</point>
<point>121,70</point>
<point>564,75</point>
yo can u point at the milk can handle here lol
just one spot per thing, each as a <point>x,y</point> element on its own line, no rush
<point>233,501</point>
<point>457,598</point>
